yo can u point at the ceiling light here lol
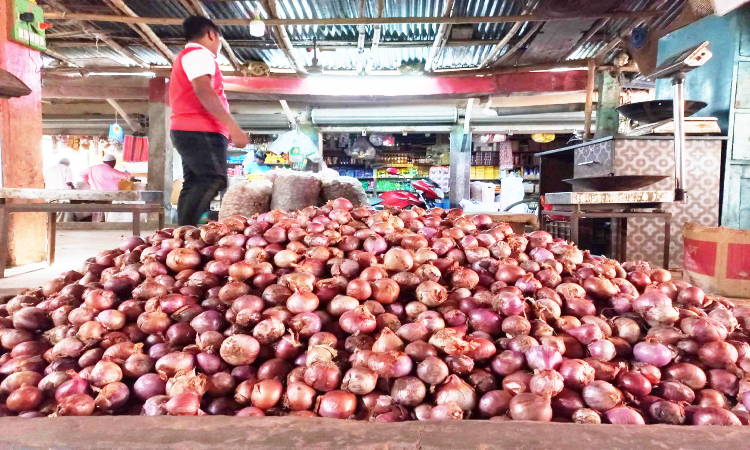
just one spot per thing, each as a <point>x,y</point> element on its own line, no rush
<point>257,27</point>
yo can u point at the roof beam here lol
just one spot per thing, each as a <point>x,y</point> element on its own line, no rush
<point>132,124</point>
<point>333,88</point>
<point>377,28</point>
<point>166,71</point>
<point>614,43</point>
<point>504,41</point>
<point>361,40</point>
<point>598,25</point>
<point>521,42</point>
<point>440,38</point>
<point>145,28</point>
<point>249,43</point>
<point>135,29</point>
<point>87,28</point>
<point>196,7</point>
<point>53,15</point>
<point>282,37</point>
<point>53,54</point>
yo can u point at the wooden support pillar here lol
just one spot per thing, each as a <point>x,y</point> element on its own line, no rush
<point>607,117</point>
<point>460,171</point>
<point>161,152</point>
<point>590,86</point>
<point>21,147</point>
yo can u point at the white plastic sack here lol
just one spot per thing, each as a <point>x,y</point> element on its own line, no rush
<point>512,192</point>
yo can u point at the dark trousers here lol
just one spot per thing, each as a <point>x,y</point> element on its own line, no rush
<point>204,163</point>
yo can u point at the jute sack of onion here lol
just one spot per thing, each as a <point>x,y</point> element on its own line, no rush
<point>385,316</point>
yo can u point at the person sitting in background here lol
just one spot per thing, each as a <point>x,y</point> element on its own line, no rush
<point>104,177</point>
<point>59,176</point>
<point>257,164</point>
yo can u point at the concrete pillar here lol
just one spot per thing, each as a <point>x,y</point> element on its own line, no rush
<point>161,152</point>
<point>460,169</point>
<point>607,117</point>
<point>21,146</point>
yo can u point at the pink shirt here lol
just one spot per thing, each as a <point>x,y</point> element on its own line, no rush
<point>104,178</point>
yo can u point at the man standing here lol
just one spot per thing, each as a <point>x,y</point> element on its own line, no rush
<point>104,177</point>
<point>59,176</point>
<point>201,122</point>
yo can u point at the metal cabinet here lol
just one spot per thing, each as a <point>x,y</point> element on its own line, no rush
<point>736,205</point>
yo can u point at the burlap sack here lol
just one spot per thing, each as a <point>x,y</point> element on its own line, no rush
<point>295,190</point>
<point>246,199</point>
<point>344,187</point>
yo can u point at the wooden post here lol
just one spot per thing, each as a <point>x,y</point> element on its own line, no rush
<point>21,149</point>
<point>460,169</point>
<point>51,236</point>
<point>161,153</point>
<point>590,85</point>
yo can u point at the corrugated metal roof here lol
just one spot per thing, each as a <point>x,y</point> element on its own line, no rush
<point>347,58</point>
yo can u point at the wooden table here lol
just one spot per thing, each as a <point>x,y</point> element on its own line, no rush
<point>153,204</point>
<point>291,433</point>
<point>619,240</point>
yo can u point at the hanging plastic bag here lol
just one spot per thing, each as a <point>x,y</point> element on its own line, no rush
<point>116,133</point>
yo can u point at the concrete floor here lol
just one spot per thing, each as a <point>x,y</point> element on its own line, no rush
<point>73,247</point>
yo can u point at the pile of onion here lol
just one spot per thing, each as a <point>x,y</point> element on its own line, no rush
<point>347,312</point>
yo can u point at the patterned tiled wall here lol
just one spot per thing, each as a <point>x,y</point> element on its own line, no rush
<point>703,182</point>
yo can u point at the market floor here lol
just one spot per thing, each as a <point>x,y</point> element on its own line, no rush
<point>73,247</point>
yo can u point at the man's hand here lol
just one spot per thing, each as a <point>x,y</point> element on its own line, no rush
<point>239,138</point>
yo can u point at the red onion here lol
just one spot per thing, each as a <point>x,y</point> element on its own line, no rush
<point>674,391</point>
<point>634,383</point>
<point>455,390</point>
<point>601,395</point>
<point>587,333</point>
<point>714,416</point>
<point>667,412</point>
<point>494,403</point>
<point>546,383</point>
<point>718,355</point>
<point>239,349</point>
<point>543,357</point>
<point>533,407</point>
<point>76,405</point>
<point>603,350</point>
<point>576,373</point>
<point>432,370</point>
<point>652,353</point>
<point>623,415</point>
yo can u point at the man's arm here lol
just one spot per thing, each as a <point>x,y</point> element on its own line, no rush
<point>211,101</point>
<point>85,175</point>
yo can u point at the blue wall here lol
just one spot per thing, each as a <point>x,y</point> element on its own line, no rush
<point>711,83</point>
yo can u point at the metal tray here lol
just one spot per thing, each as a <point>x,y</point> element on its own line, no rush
<point>616,183</point>
<point>657,110</point>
